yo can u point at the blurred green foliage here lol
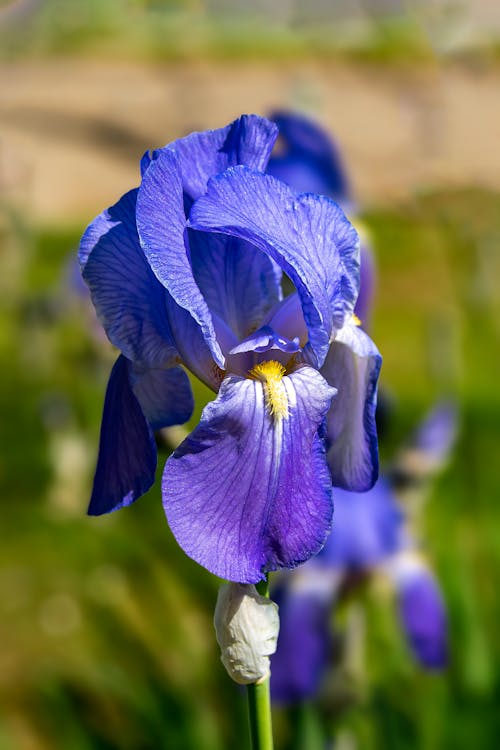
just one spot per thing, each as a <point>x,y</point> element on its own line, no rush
<point>194,29</point>
<point>106,638</point>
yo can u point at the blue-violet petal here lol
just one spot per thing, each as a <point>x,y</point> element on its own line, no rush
<point>307,235</point>
<point>249,490</point>
<point>130,301</point>
<point>165,396</point>
<point>248,140</point>
<point>352,366</point>
<point>127,452</point>
<point>161,227</point>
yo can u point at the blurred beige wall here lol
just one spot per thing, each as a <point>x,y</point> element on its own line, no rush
<point>72,132</point>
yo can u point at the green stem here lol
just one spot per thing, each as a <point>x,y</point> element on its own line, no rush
<point>259,711</point>
<point>259,702</point>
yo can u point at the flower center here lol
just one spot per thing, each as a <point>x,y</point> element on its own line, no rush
<point>271,374</point>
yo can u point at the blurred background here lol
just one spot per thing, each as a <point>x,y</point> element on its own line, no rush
<point>106,637</point>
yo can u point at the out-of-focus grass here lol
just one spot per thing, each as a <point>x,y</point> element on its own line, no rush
<point>105,626</point>
<point>184,29</point>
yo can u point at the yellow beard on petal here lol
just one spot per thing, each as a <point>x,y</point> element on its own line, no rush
<point>271,375</point>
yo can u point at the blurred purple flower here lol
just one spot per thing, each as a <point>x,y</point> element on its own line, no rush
<point>187,270</point>
<point>369,531</point>
<point>422,609</point>
<point>305,638</point>
<point>370,534</point>
<point>307,158</point>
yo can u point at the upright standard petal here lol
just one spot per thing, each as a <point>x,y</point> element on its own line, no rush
<point>239,283</point>
<point>248,140</point>
<point>249,490</point>
<point>352,366</point>
<point>127,452</point>
<point>161,226</point>
<point>307,235</point>
<point>130,301</point>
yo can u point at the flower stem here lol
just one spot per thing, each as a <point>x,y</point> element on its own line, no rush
<point>259,702</point>
<point>259,711</point>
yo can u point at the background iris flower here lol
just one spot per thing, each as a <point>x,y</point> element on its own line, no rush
<point>372,535</point>
<point>187,270</point>
<point>371,532</point>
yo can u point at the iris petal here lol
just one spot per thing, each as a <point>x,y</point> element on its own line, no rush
<point>248,140</point>
<point>287,319</point>
<point>352,366</point>
<point>239,283</point>
<point>248,492</point>
<point>264,340</point>
<point>138,400</point>
<point>165,396</point>
<point>194,350</point>
<point>127,452</point>
<point>307,235</point>
<point>161,226</point>
<point>128,298</point>
<point>364,303</point>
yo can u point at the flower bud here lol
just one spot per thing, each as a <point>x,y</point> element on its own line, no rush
<point>246,626</point>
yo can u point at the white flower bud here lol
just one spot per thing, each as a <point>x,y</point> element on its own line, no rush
<point>246,625</point>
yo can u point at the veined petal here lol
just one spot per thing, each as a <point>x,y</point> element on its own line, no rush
<point>161,226</point>
<point>165,396</point>
<point>130,301</point>
<point>138,400</point>
<point>127,452</point>
<point>248,140</point>
<point>193,348</point>
<point>307,235</point>
<point>249,490</point>
<point>352,366</point>
<point>239,283</point>
<point>366,529</point>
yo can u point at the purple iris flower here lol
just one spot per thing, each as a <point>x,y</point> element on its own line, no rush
<point>367,531</point>
<point>185,272</point>
<point>307,158</point>
<point>305,641</point>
